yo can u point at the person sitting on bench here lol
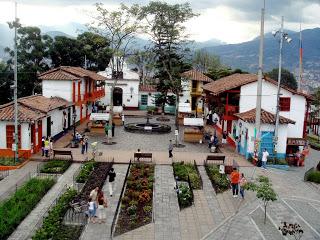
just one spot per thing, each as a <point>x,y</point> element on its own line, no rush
<point>138,151</point>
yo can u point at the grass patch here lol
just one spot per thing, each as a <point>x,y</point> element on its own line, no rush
<point>314,176</point>
<point>182,170</point>
<point>52,227</point>
<point>55,166</point>
<point>220,182</point>
<point>15,209</point>
<point>85,171</point>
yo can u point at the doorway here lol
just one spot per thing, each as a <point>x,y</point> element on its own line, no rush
<point>117,96</point>
<point>48,126</point>
<point>69,118</point>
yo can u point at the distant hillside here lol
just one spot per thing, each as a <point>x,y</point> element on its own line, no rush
<point>54,34</point>
<point>245,55</point>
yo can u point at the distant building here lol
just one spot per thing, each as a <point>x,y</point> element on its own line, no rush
<point>192,83</point>
<point>126,92</point>
<point>233,98</point>
<point>38,116</point>
<point>74,84</point>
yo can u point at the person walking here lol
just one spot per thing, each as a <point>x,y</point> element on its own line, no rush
<point>86,143</point>
<point>42,146</point>
<point>83,145</point>
<point>112,176</point>
<point>122,118</point>
<point>170,148</point>
<point>94,196</point>
<point>243,182</point>
<point>264,159</point>
<point>235,176</point>
<point>112,129</point>
<point>91,210</point>
<point>102,204</point>
<point>50,148</point>
<point>46,147</point>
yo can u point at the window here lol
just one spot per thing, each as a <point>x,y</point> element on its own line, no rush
<point>144,99</point>
<point>284,104</point>
<point>9,135</point>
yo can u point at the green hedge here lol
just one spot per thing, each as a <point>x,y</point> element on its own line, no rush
<point>9,161</point>
<point>52,227</point>
<point>184,196</point>
<point>219,181</point>
<point>55,166</point>
<point>15,209</point>
<point>314,176</point>
<point>182,170</point>
<point>85,172</point>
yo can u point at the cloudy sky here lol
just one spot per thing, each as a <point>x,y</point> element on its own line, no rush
<point>231,21</point>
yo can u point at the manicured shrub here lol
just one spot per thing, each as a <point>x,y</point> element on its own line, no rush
<point>182,170</point>
<point>55,166</point>
<point>16,208</point>
<point>184,196</point>
<point>220,182</point>
<point>52,224</point>
<point>314,176</point>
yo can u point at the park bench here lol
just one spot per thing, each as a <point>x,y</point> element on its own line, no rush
<point>63,152</point>
<point>138,156</point>
<point>214,159</point>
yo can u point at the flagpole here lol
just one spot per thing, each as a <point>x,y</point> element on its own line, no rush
<point>300,60</point>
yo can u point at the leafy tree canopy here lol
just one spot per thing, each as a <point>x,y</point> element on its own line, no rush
<point>287,78</point>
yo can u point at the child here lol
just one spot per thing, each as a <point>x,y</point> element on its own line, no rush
<point>243,182</point>
<point>91,209</point>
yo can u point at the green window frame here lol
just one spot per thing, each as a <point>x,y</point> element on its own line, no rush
<point>144,99</point>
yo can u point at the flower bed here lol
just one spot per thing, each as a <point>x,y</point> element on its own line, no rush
<point>136,203</point>
<point>182,170</point>
<point>52,227</point>
<point>85,171</point>
<point>55,166</point>
<point>313,176</point>
<point>15,209</point>
<point>220,182</point>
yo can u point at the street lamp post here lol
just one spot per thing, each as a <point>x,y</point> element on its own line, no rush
<point>283,36</point>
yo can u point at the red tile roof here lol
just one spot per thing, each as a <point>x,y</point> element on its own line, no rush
<point>70,73</point>
<point>196,75</point>
<point>31,108</point>
<point>237,80</point>
<point>147,88</point>
<point>266,117</point>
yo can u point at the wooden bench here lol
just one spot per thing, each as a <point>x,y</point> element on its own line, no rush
<point>218,160</point>
<point>63,152</point>
<point>138,156</point>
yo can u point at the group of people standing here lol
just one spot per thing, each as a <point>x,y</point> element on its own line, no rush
<point>47,146</point>
<point>84,143</point>
<point>238,181</point>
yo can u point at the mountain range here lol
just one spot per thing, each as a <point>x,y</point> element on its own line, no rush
<point>242,55</point>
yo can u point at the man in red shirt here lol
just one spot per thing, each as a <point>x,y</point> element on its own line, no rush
<point>235,177</point>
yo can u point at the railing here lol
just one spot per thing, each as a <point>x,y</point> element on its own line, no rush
<point>115,217</point>
<point>4,174</point>
<point>42,218</point>
<point>230,110</point>
<point>196,167</point>
<point>196,91</point>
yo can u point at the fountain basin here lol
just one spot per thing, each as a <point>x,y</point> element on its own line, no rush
<point>147,128</point>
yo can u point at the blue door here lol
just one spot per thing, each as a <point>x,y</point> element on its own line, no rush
<point>267,142</point>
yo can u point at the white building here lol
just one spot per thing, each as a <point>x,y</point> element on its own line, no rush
<point>126,92</point>
<point>38,116</point>
<point>234,99</point>
<point>74,84</point>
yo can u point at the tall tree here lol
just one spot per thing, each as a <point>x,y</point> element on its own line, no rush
<point>203,61</point>
<point>33,52</point>
<point>120,27</point>
<point>6,77</point>
<point>165,25</point>
<point>287,78</point>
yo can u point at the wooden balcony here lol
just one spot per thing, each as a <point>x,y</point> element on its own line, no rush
<point>229,111</point>
<point>196,92</point>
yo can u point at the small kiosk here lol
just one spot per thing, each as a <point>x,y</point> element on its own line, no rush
<point>97,122</point>
<point>295,153</point>
<point>184,110</point>
<point>193,132</point>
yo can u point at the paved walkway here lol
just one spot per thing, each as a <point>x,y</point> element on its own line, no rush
<point>102,231</point>
<point>166,207</point>
<point>15,179</point>
<point>28,225</point>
